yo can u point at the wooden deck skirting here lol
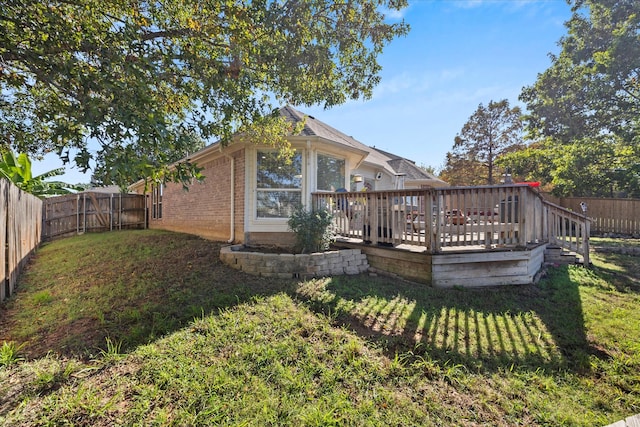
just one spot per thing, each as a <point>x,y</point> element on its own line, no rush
<point>410,265</point>
<point>469,268</point>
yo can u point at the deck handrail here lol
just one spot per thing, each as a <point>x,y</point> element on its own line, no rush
<point>568,229</point>
<point>485,217</point>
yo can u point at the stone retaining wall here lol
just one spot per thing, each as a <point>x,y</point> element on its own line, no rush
<point>287,266</point>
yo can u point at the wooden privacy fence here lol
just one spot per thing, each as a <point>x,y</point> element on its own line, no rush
<point>617,216</point>
<point>92,212</point>
<point>458,218</point>
<point>20,233</point>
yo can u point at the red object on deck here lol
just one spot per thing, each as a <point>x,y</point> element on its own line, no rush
<point>534,184</point>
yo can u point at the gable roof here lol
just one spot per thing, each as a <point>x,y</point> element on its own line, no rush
<point>397,165</point>
<point>391,163</point>
<point>401,165</point>
<point>314,127</point>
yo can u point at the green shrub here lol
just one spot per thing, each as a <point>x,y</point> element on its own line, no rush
<point>312,229</point>
<point>9,353</point>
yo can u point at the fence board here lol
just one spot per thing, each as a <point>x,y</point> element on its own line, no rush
<point>92,212</point>
<point>617,216</point>
<point>20,233</point>
<point>4,189</point>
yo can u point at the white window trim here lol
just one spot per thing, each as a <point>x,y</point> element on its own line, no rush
<point>347,169</point>
<point>157,193</point>
<point>258,224</point>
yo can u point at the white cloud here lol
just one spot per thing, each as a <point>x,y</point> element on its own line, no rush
<point>470,4</point>
<point>395,14</point>
<point>413,83</point>
<point>396,84</point>
<point>510,5</point>
<point>451,74</point>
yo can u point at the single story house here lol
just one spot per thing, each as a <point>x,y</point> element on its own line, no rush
<point>248,193</point>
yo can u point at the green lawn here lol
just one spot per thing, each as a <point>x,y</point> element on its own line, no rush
<point>149,328</point>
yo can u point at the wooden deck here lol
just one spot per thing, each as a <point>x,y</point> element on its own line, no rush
<point>633,421</point>
<point>473,236</point>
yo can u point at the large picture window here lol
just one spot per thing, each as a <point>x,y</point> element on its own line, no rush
<point>279,185</point>
<point>330,173</point>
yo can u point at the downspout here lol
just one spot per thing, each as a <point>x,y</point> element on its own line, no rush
<point>232,231</point>
<point>307,184</point>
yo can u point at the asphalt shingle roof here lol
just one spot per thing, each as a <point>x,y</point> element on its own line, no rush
<point>314,127</point>
<point>392,163</point>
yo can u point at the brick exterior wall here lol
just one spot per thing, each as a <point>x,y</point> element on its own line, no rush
<point>205,209</point>
<point>280,240</point>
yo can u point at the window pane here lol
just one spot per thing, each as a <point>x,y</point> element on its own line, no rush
<point>276,173</point>
<point>277,204</point>
<point>330,173</point>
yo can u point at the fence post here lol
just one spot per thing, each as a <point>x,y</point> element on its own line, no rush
<point>111,212</point>
<point>78,214</point>
<point>84,212</point>
<point>4,227</point>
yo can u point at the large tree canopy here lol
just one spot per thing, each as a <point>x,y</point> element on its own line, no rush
<point>150,81</point>
<point>604,167</point>
<point>491,131</point>
<point>584,111</point>
<point>593,85</point>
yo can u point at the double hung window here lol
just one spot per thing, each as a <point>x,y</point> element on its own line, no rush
<point>279,185</point>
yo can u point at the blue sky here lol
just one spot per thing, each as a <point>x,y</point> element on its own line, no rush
<point>458,54</point>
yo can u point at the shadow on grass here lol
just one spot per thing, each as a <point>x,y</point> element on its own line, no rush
<point>532,327</point>
<point>131,287</point>
<point>620,271</point>
<point>134,287</point>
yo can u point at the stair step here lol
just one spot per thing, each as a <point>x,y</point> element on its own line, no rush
<point>558,255</point>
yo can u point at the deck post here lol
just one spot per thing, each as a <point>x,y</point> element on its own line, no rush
<point>439,209</point>
<point>525,211</point>
<point>429,232</point>
<point>373,214</point>
<point>585,242</point>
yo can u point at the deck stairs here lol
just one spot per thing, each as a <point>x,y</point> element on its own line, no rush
<point>560,256</point>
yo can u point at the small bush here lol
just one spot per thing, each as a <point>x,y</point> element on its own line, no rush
<point>312,229</point>
<point>9,353</point>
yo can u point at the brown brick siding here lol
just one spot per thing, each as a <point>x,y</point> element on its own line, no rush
<point>282,240</point>
<point>205,209</point>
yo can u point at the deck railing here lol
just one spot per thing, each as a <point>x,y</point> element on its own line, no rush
<point>484,217</point>
<point>567,229</point>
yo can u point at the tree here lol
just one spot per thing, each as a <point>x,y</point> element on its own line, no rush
<point>600,167</point>
<point>430,169</point>
<point>531,163</point>
<point>18,171</point>
<point>490,132</point>
<point>462,170</point>
<point>584,109</point>
<point>592,86</point>
<point>147,80</point>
